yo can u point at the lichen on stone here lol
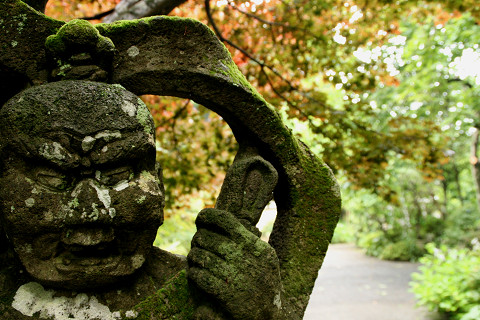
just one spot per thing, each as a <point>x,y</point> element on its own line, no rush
<point>129,108</point>
<point>133,51</point>
<point>141,199</point>
<point>74,203</point>
<point>30,202</point>
<point>32,299</point>
<point>53,151</point>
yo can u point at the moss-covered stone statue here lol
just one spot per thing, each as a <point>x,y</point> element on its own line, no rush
<point>81,197</point>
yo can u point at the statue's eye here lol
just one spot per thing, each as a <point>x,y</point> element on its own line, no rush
<point>114,176</point>
<point>53,180</point>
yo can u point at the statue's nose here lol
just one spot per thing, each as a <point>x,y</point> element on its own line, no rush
<point>92,201</point>
<point>88,236</point>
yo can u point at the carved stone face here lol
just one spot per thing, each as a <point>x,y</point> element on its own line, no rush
<point>80,197</point>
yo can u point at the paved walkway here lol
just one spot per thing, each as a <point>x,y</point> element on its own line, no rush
<point>352,286</point>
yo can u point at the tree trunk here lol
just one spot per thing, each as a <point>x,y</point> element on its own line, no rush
<point>135,9</point>
<point>418,217</point>
<point>456,174</point>
<point>445,194</point>
<point>474,161</point>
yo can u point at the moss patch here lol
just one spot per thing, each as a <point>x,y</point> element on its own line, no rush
<point>173,301</point>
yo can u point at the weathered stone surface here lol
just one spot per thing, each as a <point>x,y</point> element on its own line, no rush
<point>72,151</point>
<point>23,60</point>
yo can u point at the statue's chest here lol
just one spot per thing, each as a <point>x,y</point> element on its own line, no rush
<point>33,301</point>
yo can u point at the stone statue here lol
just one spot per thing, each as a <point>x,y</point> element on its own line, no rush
<point>81,197</point>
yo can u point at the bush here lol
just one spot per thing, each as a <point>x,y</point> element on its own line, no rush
<point>403,250</point>
<point>176,233</point>
<point>373,243</point>
<point>473,314</point>
<point>344,233</point>
<point>449,282</point>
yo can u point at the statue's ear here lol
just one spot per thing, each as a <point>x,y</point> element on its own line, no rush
<point>248,188</point>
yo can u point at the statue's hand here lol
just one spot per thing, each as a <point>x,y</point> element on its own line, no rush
<point>237,269</point>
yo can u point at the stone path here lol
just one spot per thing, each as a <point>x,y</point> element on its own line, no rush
<point>352,286</point>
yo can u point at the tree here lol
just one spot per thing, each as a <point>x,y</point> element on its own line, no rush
<point>438,83</point>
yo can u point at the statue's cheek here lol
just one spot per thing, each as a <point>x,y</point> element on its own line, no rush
<point>138,204</point>
<point>19,200</point>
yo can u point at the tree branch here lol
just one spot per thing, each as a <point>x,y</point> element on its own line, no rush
<point>175,117</point>
<point>262,65</point>
<point>99,15</point>
<point>254,16</point>
<point>135,9</point>
<point>463,81</point>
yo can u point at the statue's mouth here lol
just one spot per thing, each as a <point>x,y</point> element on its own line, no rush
<point>75,257</point>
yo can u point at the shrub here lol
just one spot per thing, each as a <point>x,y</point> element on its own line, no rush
<point>176,233</point>
<point>373,243</point>
<point>344,233</point>
<point>449,282</point>
<point>473,314</point>
<point>403,250</point>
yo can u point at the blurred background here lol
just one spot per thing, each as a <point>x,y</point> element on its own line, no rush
<point>387,93</point>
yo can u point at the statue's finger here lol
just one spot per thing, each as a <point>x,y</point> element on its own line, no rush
<point>214,242</point>
<point>218,267</point>
<point>224,223</point>
<point>207,281</point>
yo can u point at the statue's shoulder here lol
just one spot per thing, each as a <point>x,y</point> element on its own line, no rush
<point>174,298</point>
<point>162,265</point>
<point>161,291</point>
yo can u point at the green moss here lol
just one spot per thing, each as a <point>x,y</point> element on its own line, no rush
<point>105,44</point>
<point>79,34</point>
<point>231,70</point>
<point>173,301</point>
<point>144,118</point>
<point>119,26</point>
<point>79,31</point>
<point>317,204</point>
<point>54,44</point>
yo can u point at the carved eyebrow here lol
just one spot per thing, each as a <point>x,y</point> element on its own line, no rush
<point>53,152</point>
<point>89,141</point>
<point>65,149</point>
<point>131,147</point>
<point>68,161</point>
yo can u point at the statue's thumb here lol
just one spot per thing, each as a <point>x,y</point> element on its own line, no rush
<point>247,189</point>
